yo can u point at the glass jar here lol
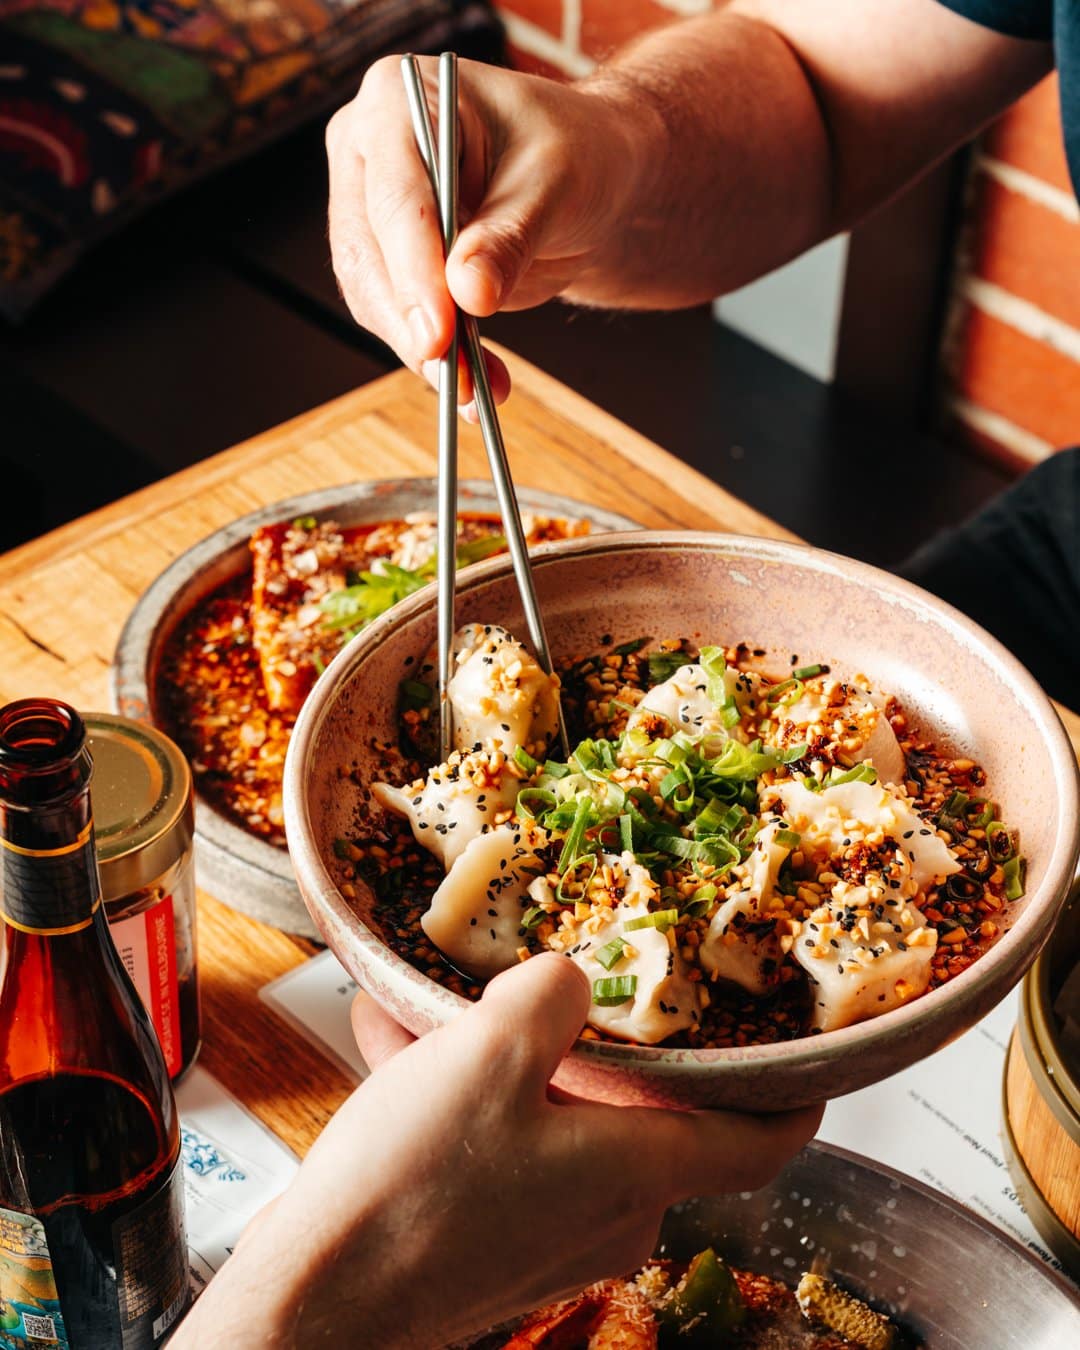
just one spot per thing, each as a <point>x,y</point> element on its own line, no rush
<point>144,823</point>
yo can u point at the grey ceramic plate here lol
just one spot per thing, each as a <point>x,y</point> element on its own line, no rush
<point>952,1280</point>
<point>237,867</point>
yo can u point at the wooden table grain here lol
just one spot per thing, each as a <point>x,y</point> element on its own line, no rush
<point>65,596</point>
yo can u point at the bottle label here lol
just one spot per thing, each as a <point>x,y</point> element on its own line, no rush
<point>152,1281</point>
<point>49,891</point>
<point>147,946</point>
<point>29,1307</point>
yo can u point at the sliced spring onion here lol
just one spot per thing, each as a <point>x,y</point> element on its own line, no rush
<point>999,842</point>
<point>572,877</point>
<point>662,665</point>
<point>1014,878</point>
<point>341,848</point>
<point>659,918</point>
<point>415,694</point>
<point>628,648</point>
<point>553,769</point>
<point>788,838</point>
<point>304,523</point>
<point>729,714</point>
<point>861,773</point>
<point>808,672</point>
<point>977,813</point>
<point>677,789</point>
<point>610,954</point>
<point>955,804</point>
<point>626,833</point>
<point>698,904</point>
<point>613,990</point>
<point>524,760</point>
<point>473,550</point>
<point>572,843</point>
<point>533,917</point>
<point>534,802</point>
<point>785,693</point>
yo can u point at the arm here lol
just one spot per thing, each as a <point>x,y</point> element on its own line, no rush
<point>695,160</point>
<point>455,1188</point>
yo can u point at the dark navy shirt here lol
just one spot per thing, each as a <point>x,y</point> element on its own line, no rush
<point>1056,21</point>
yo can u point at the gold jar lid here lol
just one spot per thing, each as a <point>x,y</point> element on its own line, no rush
<point>144,815</point>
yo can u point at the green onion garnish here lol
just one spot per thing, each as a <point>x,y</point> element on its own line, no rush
<point>698,904</point>
<point>785,693</point>
<point>861,773</point>
<point>572,843</point>
<point>533,917</point>
<point>730,715</point>
<point>534,802</point>
<point>553,769</point>
<point>474,550</point>
<point>341,848</point>
<point>571,878</point>
<point>304,523</point>
<point>788,838</point>
<point>808,672</point>
<point>524,760</point>
<point>662,665</point>
<point>610,954</point>
<point>978,813</point>
<point>415,694</point>
<point>955,804</point>
<point>1014,878</point>
<point>613,990</point>
<point>999,843</point>
<point>628,648</point>
<point>659,918</point>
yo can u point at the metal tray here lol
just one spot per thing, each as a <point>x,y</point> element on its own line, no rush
<point>237,867</point>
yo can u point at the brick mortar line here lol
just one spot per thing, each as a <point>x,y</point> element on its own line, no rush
<point>536,41</point>
<point>1015,438</point>
<point>1034,189</point>
<point>1023,316</point>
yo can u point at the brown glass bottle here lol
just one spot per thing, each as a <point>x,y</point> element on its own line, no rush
<point>92,1250</point>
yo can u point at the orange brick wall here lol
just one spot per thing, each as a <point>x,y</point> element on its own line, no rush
<point>1012,341</point>
<point>1011,347</point>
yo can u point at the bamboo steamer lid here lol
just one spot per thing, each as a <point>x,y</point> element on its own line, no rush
<point>1042,1099</point>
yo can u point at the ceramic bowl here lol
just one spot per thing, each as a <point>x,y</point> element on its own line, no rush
<point>957,683</point>
<point>247,872</point>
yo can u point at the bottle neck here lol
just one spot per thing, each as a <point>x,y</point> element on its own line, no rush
<point>48,867</point>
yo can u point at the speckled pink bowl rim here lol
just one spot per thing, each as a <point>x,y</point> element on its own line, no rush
<point>760,1077</point>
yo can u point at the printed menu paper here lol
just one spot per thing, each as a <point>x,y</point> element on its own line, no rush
<point>941,1120</point>
<point>315,998</point>
<point>233,1165</point>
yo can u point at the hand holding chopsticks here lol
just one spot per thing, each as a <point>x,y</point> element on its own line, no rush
<point>441,165</point>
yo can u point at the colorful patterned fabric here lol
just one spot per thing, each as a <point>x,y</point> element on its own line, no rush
<point>107,105</point>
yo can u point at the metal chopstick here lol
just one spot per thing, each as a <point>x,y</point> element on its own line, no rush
<point>444,186</point>
<point>443,178</point>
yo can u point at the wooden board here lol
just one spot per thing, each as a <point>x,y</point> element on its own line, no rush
<point>64,598</point>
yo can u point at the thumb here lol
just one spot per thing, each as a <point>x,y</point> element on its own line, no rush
<point>494,251</point>
<point>539,1008</point>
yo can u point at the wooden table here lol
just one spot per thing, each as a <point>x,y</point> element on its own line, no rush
<point>64,598</point>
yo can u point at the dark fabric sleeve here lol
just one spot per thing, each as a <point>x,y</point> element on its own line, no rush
<point>1018,18</point>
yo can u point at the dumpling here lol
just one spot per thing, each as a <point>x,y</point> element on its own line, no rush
<point>863,957</point>
<point>850,717</point>
<point>665,1000</point>
<point>475,915</point>
<point>856,812</point>
<point>682,703</point>
<point>733,948</point>
<point>498,693</point>
<point>458,800</point>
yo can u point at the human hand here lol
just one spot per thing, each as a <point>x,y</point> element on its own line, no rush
<point>546,172</point>
<point>456,1188</point>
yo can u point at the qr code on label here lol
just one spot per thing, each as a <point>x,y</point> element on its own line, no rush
<point>40,1328</point>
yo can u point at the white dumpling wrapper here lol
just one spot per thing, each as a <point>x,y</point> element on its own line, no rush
<point>852,811</point>
<point>753,961</point>
<point>450,810</point>
<point>475,915</point>
<point>864,722</point>
<point>867,969</point>
<point>683,701</point>
<point>498,692</point>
